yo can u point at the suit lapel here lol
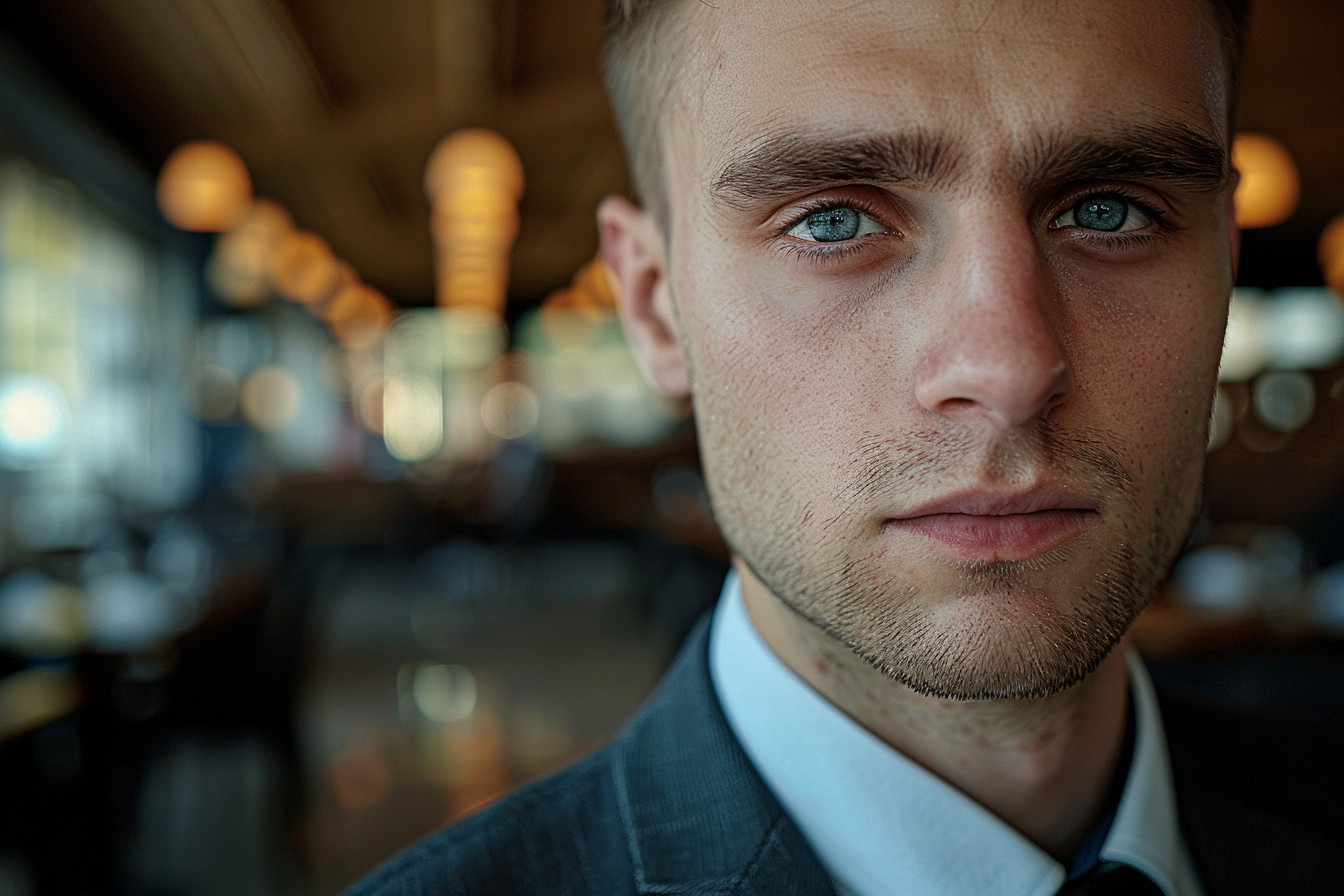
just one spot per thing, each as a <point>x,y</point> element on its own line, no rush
<point>697,816</point>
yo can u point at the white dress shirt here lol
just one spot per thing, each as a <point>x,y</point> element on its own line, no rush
<point>882,824</point>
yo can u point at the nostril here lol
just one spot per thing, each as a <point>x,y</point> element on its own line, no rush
<point>957,406</point>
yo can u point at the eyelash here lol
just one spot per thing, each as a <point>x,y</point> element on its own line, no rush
<point>830,252</point>
<point>836,252</point>
<point>1118,241</point>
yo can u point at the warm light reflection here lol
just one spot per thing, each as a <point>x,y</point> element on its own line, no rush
<point>240,264</point>
<point>1330,253</point>
<point>594,286</point>
<point>204,186</point>
<point>1268,189</point>
<point>303,268</point>
<point>358,314</point>
<point>474,159</point>
<point>359,777</point>
<point>473,179</point>
<point>412,418</point>
<point>269,397</point>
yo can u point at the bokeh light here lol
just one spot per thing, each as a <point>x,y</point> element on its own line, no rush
<point>358,314</point>
<point>436,373</point>
<point>473,159</point>
<point>473,179</point>
<point>239,267</point>
<point>204,186</point>
<point>1303,329</point>
<point>40,616</point>
<point>269,397</point>
<point>32,417</point>
<point>1269,187</point>
<point>510,410</point>
<point>1330,254</point>
<point>303,269</point>
<point>1284,400</point>
<point>444,693</point>
<point>359,777</point>
<point>594,286</point>
<point>214,392</point>
<point>369,405</point>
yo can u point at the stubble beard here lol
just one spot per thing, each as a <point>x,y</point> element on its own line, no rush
<point>1005,629</point>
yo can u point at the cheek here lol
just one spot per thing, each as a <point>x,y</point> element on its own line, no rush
<point>777,382</point>
<point>1148,373</point>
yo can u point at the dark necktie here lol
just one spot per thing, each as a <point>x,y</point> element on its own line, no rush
<point>1111,879</point>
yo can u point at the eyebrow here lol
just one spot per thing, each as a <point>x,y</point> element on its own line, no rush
<point>1170,153</point>
<point>789,165</point>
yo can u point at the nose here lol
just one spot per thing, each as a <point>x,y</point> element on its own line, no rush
<point>993,350</point>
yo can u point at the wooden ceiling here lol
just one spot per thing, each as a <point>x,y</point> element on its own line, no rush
<point>335,105</point>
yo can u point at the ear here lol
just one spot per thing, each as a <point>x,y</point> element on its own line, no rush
<point>634,251</point>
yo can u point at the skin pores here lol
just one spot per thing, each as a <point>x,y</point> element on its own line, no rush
<point>978,342</point>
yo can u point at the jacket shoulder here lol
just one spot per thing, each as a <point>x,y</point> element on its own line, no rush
<point>1258,795</point>
<point>560,835</point>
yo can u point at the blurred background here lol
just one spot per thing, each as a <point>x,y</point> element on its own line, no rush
<point>331,503</point>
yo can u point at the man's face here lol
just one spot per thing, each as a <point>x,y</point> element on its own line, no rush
<point>951,281</point>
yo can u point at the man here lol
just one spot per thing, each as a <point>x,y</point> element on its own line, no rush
<point>946,281</point>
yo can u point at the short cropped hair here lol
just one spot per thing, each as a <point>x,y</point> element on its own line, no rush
<point>638,62</point>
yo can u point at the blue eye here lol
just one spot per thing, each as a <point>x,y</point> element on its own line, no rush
<point>1101,213</point>
<point>835,225</point>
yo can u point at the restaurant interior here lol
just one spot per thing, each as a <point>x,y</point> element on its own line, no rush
<point>332,503</point>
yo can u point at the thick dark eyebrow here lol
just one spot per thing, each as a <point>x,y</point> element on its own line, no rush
<point>1163,153</point>
<point>792,164</point>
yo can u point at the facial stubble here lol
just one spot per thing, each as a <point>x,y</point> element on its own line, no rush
<point>1006,629</point>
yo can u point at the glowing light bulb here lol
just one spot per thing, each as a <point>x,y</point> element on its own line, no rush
<point>204,186</point>
<point>474,179</point>
<point>241,261</point>
<point>1269,187</point>
<point>1330,253</point>
<point>303,269</point>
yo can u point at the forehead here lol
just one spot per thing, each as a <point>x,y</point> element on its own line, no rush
<point>990,76</point>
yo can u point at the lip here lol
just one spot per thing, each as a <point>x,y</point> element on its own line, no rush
<point>988,526</point>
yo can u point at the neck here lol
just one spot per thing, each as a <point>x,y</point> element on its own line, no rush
<point>1045,766</point>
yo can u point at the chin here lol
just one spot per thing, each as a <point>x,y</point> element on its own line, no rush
<point>977,631</point>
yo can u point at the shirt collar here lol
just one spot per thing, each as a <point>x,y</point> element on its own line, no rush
<point>882,824</point>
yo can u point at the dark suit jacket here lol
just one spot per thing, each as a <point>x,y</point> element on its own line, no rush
<point>673,806</point>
